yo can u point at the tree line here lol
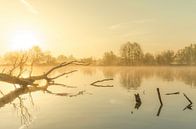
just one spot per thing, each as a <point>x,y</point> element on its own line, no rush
<point>131,54</point>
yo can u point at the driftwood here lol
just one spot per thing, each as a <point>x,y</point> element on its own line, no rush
<point>160,100</point>
<point>190,105</point>
<point>96,83</point>
<point>138,101</point>
<point>30,81</point>
<point>159,96</point>
<point>174,93</point>
<point>187,98</point>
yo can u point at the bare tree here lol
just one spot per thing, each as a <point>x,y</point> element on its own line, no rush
<point>131,54</point>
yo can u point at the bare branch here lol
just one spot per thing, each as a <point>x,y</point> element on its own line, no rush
<point>67,94</point>
<point>65,64</point>
<point>187,98</point>
<point>31,68</point>
<point>190,105</point>
<point>30,80</point>
<point>22,64</point>
<point>2,93</point>
<point>159,96</point>
<point>174,93</point>
<point>160,100</point>
<point>63,74</point>
<point>14,66</point>
<point>3,70</point>
<point>103,80</point>
<point>59,84</point>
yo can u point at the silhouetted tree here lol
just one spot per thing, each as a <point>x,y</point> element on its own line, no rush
<point>11,57</point>
<point>186,55</point>
<point>165,58</point>
<point>109,58</point>
<point>131,54</point>
<point>148,59</point>
<point>49,59</point>
<point>61,58</point>
<point>89,60</point>
<point>37,55</point>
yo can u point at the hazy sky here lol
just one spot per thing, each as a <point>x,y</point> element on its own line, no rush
<point>91,27</point>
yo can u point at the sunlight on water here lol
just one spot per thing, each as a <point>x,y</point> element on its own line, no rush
<point>104,107</point>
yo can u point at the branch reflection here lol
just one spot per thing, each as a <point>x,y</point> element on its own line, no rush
<point>19,106</point>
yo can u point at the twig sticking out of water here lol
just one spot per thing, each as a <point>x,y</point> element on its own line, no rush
<point>190,105</point>
<point>159,95</point>
<point>103,80</point>
<point>187,98</point>
<point>138,101</point>
<point>160,100</point>
<point>174,93</point>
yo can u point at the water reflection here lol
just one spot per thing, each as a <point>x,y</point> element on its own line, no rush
<point>19,105</point>
<point>145,99</point>
<point>21,109</point>
<point>88,71</point>
<point>131,78</point>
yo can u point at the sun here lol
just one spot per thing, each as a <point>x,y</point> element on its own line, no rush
<point>23,40</point>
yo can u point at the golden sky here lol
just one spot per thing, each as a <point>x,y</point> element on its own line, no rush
<point>91,27</point>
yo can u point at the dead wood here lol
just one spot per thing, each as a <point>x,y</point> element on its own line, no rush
<point>159,96</point>
<point>138,101</point>
<point>9,78</point>
<point>187,98</point>
<point>96,83</point>
<point>160,100</point>
<point>190,105</point>
<point>174,93</point>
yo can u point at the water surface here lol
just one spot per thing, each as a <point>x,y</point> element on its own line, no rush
<point>105,107</point>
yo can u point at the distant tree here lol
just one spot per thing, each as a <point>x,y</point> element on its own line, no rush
<point>131,53</point>
<point>49,59</point>
<point>179,57</point>
<point>148,59</point>
<point>109,58</point>
<point>169,56</point>
<point>1,60</point>
<point>165,58</point>
<point>37,55</point>
<point>11,57</point>
<point>186,55</point>
<point>194,53</point>
<point>89,60</point>
<point>71,58</point>
<point>61,58</point>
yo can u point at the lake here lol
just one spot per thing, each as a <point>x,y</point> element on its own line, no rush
<point>91,107</point>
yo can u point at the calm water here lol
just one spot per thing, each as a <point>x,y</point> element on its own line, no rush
<point>105,107</point>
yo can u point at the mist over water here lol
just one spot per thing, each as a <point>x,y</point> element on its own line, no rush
<point>105,107</point>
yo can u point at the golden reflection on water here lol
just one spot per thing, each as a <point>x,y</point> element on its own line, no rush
<point>142,80</point>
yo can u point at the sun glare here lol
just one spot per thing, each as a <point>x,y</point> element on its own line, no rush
<point>23,39</point>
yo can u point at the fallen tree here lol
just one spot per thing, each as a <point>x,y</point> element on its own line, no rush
<point>26,85</point>
<point>30,80</point>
